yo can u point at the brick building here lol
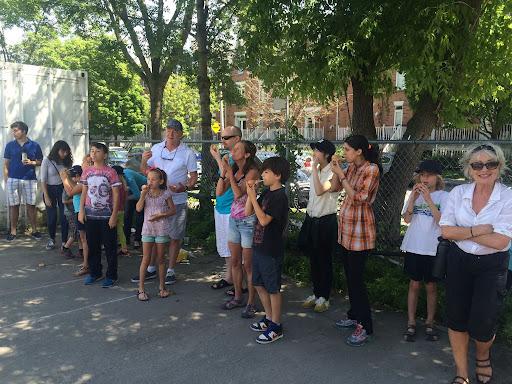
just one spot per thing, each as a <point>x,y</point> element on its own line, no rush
<point>263,114</point>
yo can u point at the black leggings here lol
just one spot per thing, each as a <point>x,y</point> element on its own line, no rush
<point>55,195</point>
<point>354,263</point>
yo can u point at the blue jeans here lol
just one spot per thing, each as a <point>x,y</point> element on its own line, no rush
<point>55,195</point>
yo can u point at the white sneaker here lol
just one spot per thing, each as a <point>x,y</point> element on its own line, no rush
<point>309,302</point>
<point>321,305</point>
<point>50,245</point>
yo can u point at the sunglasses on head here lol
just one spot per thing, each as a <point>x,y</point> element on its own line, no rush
<point>227,137</point>
<point>490,165</point>
<point>484,147</point>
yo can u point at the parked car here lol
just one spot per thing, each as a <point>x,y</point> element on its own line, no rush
<point>117,157</point>
<point>299,190</point>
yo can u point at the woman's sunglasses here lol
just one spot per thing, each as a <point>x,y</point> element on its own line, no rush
<point>490,165</point>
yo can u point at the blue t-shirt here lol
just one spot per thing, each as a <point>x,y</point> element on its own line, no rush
<point>135,181</point>
<point>224,201</point>
<point>13,153</point>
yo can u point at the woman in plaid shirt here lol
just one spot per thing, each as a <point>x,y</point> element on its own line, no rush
<point>356,228</point>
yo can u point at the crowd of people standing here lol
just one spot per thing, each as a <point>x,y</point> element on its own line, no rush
<point>96,205</point>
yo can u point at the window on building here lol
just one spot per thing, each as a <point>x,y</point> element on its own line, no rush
<point>309,122</point>
<point>241,120</point>
<point>400,81</point>
<point>399,114</point>
<point>241,87</point>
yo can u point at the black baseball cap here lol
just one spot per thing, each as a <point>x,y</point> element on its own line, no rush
<point>324,146</point>
<point>174,124</point>
<point>75,170</point>
<point>431,166</point>
<point>119,170</point>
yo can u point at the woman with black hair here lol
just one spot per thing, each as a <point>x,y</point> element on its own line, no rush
<point>356,228</point>
<point>59,158</point>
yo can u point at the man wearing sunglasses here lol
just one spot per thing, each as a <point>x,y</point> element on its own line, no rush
<point>179,163</point>
<point>230,136</point>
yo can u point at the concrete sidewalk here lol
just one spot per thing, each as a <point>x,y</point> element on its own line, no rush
<point>53,329</point>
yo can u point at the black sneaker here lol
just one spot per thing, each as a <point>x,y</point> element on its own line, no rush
<point>10,237</point>
<point>148,276</point>
<point>36,235</point>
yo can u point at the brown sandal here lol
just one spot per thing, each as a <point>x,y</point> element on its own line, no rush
<point>142,296</point>
<point>164,293</point>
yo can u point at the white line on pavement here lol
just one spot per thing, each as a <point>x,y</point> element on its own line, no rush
<point>39,287</point>
<point>28,322</point>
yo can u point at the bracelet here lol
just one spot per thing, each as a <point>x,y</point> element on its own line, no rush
<point>471,230</point>
<point>222,177</point>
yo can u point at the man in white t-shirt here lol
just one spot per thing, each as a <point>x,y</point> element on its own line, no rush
<point>179,163</point>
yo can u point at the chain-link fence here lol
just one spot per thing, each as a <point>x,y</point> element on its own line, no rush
<point>399,160</point>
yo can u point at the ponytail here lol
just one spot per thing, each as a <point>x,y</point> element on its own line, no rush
<point>370,152</point>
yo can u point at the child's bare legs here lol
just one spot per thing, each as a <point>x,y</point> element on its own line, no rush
<point>247,258</point>
<point>236,268</point>
<point>412,301</point>
<point>431,289</point>
<point>70,241</point>
<point>271,304</point>
<point>85,248</point>
<point>162,270</point>
<point>275,302</point>
<point>265,301</point>
<point>147,249</point>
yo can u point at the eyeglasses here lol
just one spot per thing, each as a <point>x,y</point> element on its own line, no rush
<point>227,137</point>
<point>490,165</point>
<point>168,157</point>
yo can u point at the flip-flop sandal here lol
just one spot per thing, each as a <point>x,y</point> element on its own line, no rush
<point>460,380</point>
<point>431,333</point>
<point>410,333</point>
<point>81,271</point>
<point>221,284</point>
<point>145,296</point>
<point>164,293</point>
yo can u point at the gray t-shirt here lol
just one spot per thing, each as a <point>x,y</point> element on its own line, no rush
<point>50,172</point>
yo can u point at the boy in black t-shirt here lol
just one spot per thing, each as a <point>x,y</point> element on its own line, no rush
<point>271,210</point>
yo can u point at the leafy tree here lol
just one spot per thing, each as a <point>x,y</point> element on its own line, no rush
<point>118,104</point>
<point>181,101</point>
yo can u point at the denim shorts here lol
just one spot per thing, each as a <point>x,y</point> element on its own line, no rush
<point>241,231</point>
<point>156,239</point>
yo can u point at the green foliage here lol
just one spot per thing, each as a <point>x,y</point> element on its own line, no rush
<point>201,228</point>
<point>181,101</point>
<point>117,103</point>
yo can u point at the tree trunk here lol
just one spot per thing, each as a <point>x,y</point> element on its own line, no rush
<point>362,113</point>
<point>394,183</point>
<point>156,95</point>
<point>203,83</point>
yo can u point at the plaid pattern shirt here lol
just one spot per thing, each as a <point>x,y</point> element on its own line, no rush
<point>356,229</point>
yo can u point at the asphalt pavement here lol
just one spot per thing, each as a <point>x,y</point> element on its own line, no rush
<point>53,329</point>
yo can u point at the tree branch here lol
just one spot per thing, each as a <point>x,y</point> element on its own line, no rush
<point>150,37</point>
<point>117,31</point>
<point>123,14</point>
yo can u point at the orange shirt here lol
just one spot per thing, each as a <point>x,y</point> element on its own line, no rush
<point>356,229</point>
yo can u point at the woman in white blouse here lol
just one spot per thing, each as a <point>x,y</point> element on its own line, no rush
<point>478,218</point>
